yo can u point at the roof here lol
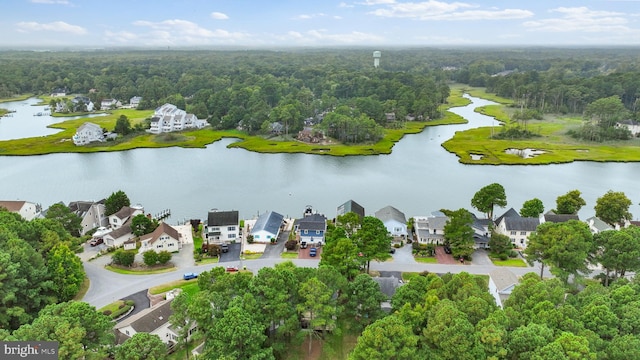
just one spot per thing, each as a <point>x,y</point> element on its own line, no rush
<point>219,218</point>
<point>388,285</point>
<point>503,278</point>
<point>12,206</point>
<point>125,212</point>
<point>598,224</point>
<point>509,213</point>
<point>121,231</point>
<point>351,206</point>
<point>148,319</point>
<point>89,126</point>
<point>269,221</point>
<point>313,222</point>
<point>390,213</point>
<point>521,223</point>
<point>558,218</point>
<point>163,228</point>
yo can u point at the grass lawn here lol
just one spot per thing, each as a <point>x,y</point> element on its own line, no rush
<point>208,260</point>
<point>426,259</point>
<point>3,112</point>
<point>16,98</point>
<point>188,286</point>
<point>83,289</point>
<point>289,255</point>
<point>140,271</point>
<point>251,256</point>
<point>509,262</point>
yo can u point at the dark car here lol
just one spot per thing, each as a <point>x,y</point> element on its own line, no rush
<point>95,242</point>
<point>392,250</point>
<point>303,245</point>
<point>189,276</point>
<point>224,248</point>
<point>313,252</point>
<point>447,249</point>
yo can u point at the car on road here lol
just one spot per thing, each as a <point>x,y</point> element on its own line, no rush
<point>189,276</point>
<point>96,241</point>
<point>232,268</point>
<point>313,252</point>
<point>224,248</point>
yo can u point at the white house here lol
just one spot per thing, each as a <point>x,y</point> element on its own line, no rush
<point>516,227</point>
<point>91,213</point>
<point>82,101</point>
<point>26,209</point>
<point>631,125</point>
<point>430,229</point>
<point>123,215</point>
<point>117,237</point>
<point>135,101</point>
<point>394,220</point>
<point>222,227</point>
<point>109,104</point>
<point>267,227</point>
<point>153,320</point>
<point>168,118</point>
<point>501,283</point>
<point>597,226</point>
<point>88,133</point>
<point>164,237</point>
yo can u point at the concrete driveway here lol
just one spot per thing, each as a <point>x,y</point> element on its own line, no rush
<point>481,257</point>
<point>404,255</point>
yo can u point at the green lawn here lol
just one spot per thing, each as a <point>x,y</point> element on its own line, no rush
<point>289,255</point>
<point>509,262</point>
<point>16,98</point>
<point>208,260</point>
<point>188,286</point>
<point>251,256</point>
<point>426,259</point>
<point>139,271</point>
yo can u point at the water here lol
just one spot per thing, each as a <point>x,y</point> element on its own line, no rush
<point>26,122</point>
<point>418,177</point>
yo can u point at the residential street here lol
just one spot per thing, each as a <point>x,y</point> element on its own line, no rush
<point>107,287</point>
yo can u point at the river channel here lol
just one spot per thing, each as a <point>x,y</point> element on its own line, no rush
<point>418,177</point>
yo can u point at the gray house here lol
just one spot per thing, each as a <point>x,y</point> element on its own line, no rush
<point>351,206</point>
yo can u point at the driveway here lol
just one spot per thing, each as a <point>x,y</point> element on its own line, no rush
<point>444,258</point>
<point>232,255</point>
<point>404,255</point>
<point>481,257</point>
<point>141,302</point>
<point>274,251</point>
<point>304,253</point>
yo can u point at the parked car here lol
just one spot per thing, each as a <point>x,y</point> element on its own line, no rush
<point>392,250</point>
<point>224,248</point>
<point>303,245</point>
<point>232,268</point>
<point>189,276</point>
<point>96,241</point>
<point>313,252</point>
<point>447,249</point>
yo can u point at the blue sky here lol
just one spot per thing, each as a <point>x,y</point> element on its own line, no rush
<point>317,23</point>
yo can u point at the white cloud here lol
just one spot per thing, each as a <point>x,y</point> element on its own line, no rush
<point>62,2</point>
<point>323,37</point>
<point>581,19</point>
<point>437,10</point>
<point>57,26</point>
<point>344,5</point>
<point>219,16</point>
<point>376,2</point>
<point>184,32</point>
<point>309,16</point>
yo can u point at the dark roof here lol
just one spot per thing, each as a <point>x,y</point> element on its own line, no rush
<point>221,218</point>
<point>510,213</point>
<point>119,232</point>
<point>388,285</point>
<point>125,212</point>
<point>312,222</point>
<point>149,319</point>
<point>521,223</point>
<point>351,206</point>
<point>558,218</point>
<point>269,221</point>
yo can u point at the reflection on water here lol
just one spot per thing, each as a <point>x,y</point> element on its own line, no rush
<point>418,177</point>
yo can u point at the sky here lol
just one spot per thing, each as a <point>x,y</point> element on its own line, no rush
<point>317,23</point>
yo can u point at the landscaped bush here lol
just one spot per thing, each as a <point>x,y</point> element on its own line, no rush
<point>397,246</point>
<point>291,245</point>
<point>503,257</point>
<point>122,257</point>
<point>164,257</point>
<point>130,302</point>
<point>150,257</point>
<point>513,254</point>
<point>107,312</point>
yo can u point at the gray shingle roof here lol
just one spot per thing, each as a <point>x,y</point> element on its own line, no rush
<point>221,218</point>
<point>313,222</point>
<point>503,278</point>
<point>509,213</point>
<point>521,223</point>
<point>390,213</point>
<point>269,221</point>
<point>149,319</point>
<point>558,218</point>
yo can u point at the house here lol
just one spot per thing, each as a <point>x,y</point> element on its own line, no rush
<point>26,209</point>
<point>481,235</point>
<point>164,237</point>
<point>516,227</point>
<point>109,104</point>
<point>388,286</point>
<point>390,116</point>
<point>153,320</point>
<point>222,227</point>
<point>597,226</point>
<point>117,237</point>
<point>551,216</point>
<point>267,227</point>
<point>82,104</point>
<point>631,125</point>
<point>134,102</point>
<point>501,283</point>
<point>430,229</point>
<point>91,213</point>
<point>168,118</point>
<point>311,228</point>
<point>59,92</point>
<point>351,206</point>
<point>88,133</point>
<point>394,220</point>
<point>123,215</point>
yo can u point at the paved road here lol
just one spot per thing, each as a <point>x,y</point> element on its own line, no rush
<point>107,287</point>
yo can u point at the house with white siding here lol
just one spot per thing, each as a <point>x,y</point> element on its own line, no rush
<point>516,227</point>
<point>430,229</point>
<point>168,118</point>
<point>26,209</point>
<point>88,133</point>
<point>267,227</point>
<point>163,238</point>
<point>222,227</point>
<point>394,220</point>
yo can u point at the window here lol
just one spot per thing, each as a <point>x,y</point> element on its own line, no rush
<point>523,233</point>
<point>231,228</point>
<point>513,232</point>
<point>159,246</point>
<point>306,232</point>
<point>513,240</point>
<point>231,236</point>
<point>171,244</point>
<point>317,232</point>
<point>256,236</point>
<point>522,241</point>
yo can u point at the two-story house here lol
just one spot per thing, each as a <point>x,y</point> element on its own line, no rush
<point>123,215</point>
<point>222,227</point>
<point>351,206</point>
<point>516,227</point>
<point>311,229</point>
<point>88,133</point>
<point>394,220</point>
<point>430,229</point>
<point>26,209</point>
<point>163,238</point>
<point>92,214</point>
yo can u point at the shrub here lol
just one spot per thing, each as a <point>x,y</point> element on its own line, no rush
<point>107,312</point>
<point>124,258</point>
<point>130,302</point>
<point>503,257</point>
<point>250,239</point>
<point>150,257</point>
<point>513,254</point>
<point>397,246</point>
<point>291,245</point>
<point>122,305</point>
<point>164,257</point>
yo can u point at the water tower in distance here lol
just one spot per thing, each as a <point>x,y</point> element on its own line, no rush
<point>376,58</point>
